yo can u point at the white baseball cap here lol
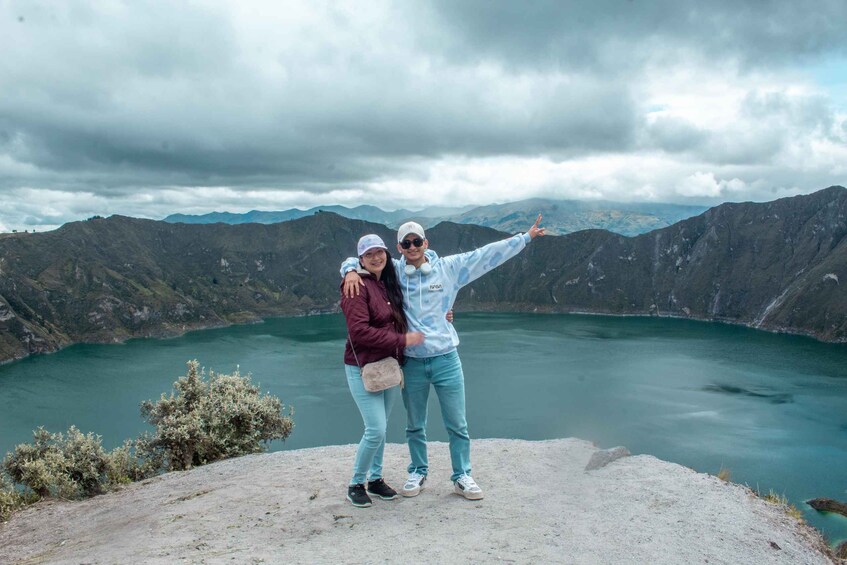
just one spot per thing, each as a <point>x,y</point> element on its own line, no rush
<point>410,227</point>
<point>368,242</point>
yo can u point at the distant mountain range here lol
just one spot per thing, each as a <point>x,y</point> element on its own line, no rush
<point>367,213</point>
<point>560,216</point>
<point>776,266</point>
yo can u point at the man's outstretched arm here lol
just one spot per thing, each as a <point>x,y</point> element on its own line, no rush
<point>467,267</point>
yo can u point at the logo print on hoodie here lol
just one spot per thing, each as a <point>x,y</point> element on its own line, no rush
<point>436,287</point>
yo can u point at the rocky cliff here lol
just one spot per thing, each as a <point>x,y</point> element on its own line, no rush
<point>776,266</point>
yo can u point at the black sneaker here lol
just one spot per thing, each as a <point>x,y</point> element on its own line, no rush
<point>357,496</point>
<point>382,490</point>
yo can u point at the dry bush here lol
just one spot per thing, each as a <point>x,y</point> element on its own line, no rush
<point>11,499</point>
<point>781,500</point>
<point>71,465</point>
<point>127,464</point>
<point>208,420</point>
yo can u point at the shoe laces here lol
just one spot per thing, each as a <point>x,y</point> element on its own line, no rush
<point>467,482</point>
<point>414,478</point>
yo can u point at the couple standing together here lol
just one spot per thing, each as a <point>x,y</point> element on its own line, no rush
<point>398,308</point>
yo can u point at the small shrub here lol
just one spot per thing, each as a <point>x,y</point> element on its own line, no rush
<point>725,474</point>
<point>126,464</point>
<point>73,465</point>
<point>208,420</point>
<point>11,499</point>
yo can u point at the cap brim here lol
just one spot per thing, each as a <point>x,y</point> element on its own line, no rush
<point>373,247</point>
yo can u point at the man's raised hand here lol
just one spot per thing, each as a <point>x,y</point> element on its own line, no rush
<point>535,230</point>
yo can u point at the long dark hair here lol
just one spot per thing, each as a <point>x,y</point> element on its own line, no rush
<point>395,294</point>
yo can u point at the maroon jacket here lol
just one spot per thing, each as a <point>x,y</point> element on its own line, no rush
<point>370,325</point>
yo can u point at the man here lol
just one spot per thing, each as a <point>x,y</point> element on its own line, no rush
<point>430,285</point>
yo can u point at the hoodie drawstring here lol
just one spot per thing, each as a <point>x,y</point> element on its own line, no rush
<point>420,289</point>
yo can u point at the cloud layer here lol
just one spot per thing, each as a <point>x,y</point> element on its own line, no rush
<point>150,108</point>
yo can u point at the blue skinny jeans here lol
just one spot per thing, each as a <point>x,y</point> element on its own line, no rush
<point>375,408</point>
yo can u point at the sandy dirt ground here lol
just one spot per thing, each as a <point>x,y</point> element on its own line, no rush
<point>540,506</point>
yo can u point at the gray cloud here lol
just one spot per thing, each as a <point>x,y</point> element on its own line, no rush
<point>620,36</point>
<point>318,98</point>
<point>676,135</point>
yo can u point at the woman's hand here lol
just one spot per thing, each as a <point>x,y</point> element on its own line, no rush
<point>352,280</point>
<point>414,338</point>
<point>535,230</point>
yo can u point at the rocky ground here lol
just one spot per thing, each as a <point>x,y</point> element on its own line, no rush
<point>540,506</point>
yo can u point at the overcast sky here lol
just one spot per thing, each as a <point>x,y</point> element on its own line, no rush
<point>151,108</point>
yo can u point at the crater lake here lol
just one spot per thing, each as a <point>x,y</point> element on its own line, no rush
<point>771,409</point>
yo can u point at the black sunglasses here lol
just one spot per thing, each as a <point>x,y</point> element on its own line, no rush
<point>407,243</point>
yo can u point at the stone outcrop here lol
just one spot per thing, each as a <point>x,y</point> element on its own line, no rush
<point>828,505</point>
<point>603,457</point>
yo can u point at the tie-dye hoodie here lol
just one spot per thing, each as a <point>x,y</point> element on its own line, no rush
<point>427,298</point>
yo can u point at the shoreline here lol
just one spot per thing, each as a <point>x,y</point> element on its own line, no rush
<point>518,309</point>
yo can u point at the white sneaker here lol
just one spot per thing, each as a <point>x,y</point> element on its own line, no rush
<point>414,485</point>
<point>467,487</point>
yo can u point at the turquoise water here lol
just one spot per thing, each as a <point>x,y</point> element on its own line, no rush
<point>772,409</point>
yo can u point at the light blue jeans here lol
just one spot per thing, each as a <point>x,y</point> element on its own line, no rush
<point>375,408</point>
<point>444,373</point>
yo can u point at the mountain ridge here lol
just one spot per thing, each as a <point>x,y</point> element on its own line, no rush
<point>776,266</point>
<point>561,216</point>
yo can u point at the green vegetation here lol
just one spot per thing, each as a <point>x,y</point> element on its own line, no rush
<point>205,420</point>
<point>141,278</point>
<point>11,499</point>
<point>72,465</point>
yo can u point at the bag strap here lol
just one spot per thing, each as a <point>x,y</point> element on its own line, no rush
<point>356,357</point>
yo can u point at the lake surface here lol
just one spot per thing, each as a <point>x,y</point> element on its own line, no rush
<point>772,409</point>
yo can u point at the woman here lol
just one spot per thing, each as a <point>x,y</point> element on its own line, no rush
<point>377,328</point>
